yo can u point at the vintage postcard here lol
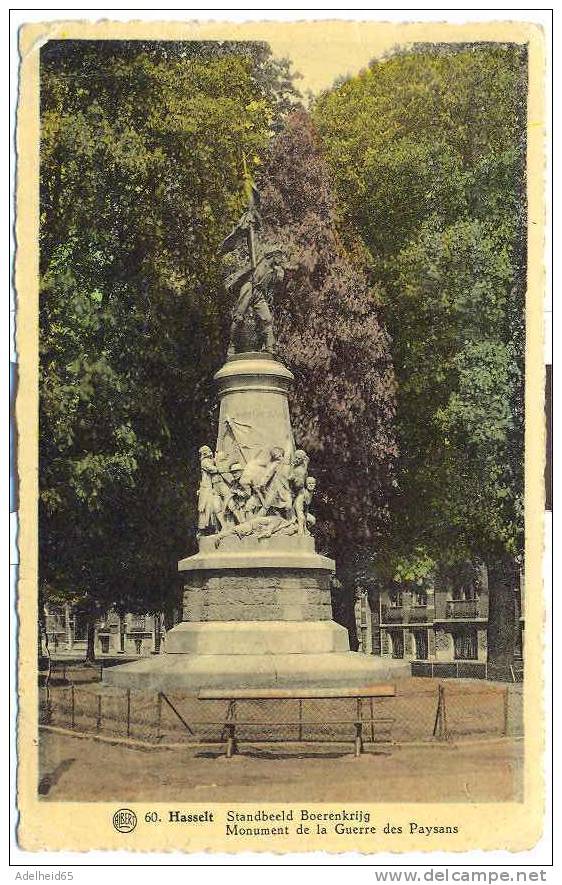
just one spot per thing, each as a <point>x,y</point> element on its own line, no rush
<point>280,436</point>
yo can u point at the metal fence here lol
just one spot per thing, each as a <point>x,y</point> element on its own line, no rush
<point>467,670</point>
<point>62,672</point>
<point>420,711</point>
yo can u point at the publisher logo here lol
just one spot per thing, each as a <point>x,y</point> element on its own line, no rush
<point>124,820</point>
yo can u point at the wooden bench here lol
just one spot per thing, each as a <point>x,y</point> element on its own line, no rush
<point>232,722</point>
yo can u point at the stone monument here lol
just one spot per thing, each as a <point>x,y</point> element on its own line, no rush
<point>256,602</point>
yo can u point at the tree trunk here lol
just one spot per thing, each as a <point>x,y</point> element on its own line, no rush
<point>374,605</point>
<point>42,636</point>
<point>121,628</point>
<point>157,633</point>
<point>343,610</point>
<point>502,616</point>
<point>91,641</point>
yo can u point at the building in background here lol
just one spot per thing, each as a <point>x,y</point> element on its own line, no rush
<point>133,635</point>
<point>440,625</point>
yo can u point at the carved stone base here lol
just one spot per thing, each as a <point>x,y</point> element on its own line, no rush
<point>257,595</point>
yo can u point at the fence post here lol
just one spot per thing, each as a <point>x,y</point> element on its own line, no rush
<point>440,730</point>
<point>128,712</point>
<point>231,729</point>
<point>72,705</point>
<point>180,717</point>
<point>359,729</point>
<point>437,723</point>
<point>48,711</point>
<point>506,710</point>
<point>159,716</point>
<point>98,720</point>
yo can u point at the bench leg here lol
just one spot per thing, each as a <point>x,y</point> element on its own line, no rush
<point>230,741</point>
<point>358,739</point>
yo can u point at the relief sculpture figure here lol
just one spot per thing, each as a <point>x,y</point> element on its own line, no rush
<point>310,488</point>
<point>209,502</point>
<point>226,487</point>
<point>275,485</point>
<point>265,496</point>
<point>298,482</point>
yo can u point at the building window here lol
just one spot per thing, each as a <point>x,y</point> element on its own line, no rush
<point>397,640</point>
<point>420,597</point>
<point>104,642</point>
<point>138,646</point>
<point>420,639</point>
<point>466,645</point>
<point>395,599</point>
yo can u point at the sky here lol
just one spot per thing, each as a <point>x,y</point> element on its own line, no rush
<point>320,51</point>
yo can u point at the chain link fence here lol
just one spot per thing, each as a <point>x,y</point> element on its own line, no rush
<point>468,670</point>
<point>62,672</point>
<point>422,710</point>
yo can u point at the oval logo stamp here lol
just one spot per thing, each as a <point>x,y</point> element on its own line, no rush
<point>124,820</point>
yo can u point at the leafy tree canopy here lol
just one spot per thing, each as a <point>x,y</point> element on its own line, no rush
<point>331,336</point>
<point>141,178</point>
<point>427,151</point>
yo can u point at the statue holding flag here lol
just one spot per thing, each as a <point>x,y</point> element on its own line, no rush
<point>260,270</point>
<point>250,486</point>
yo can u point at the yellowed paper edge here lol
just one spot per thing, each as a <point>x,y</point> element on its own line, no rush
<point>322,50</point>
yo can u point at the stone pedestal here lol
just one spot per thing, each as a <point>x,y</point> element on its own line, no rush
<point>256,610</point>
<point>258,594</point>
<point>254,410</point>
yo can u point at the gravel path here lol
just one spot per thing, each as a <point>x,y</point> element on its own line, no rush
<point>84,769</point>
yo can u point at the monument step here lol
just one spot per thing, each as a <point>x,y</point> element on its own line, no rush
<point>192,672</point>
<point>257,638</point>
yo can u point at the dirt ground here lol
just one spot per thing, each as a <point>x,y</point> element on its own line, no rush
<point>77,769</point>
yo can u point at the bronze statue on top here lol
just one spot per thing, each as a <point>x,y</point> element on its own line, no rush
<point>261,268</point>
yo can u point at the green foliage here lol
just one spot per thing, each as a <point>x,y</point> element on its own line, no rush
<point>330,334</point>
<point>427,149</point>
<point>141,178</point>
<point>413,568</point>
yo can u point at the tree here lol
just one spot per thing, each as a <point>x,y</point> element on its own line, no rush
<point>141,177</point>
<point>331,336</point>
<point>427,150</point>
